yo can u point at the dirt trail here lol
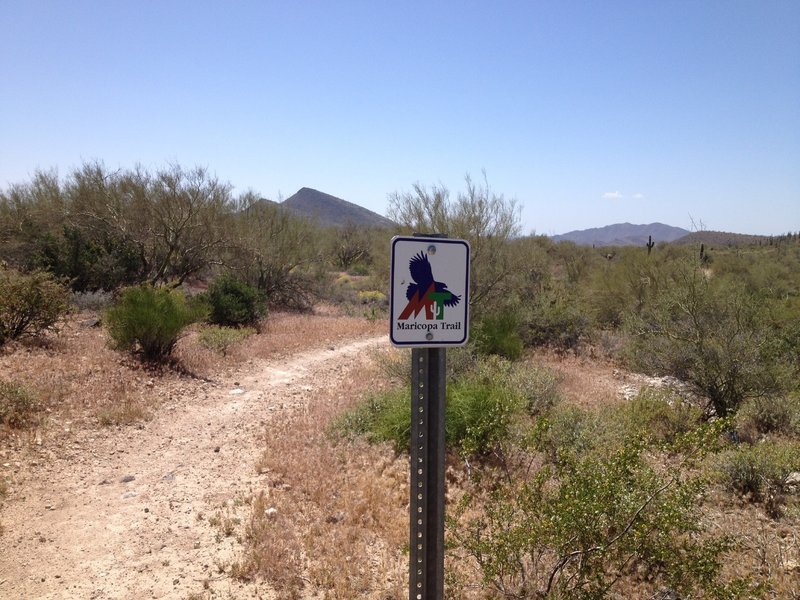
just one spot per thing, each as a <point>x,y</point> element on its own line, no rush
<point>134,512</point>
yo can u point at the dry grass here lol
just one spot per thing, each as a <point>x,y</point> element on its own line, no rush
<point>80,382</point>
<point>334,519</point>
<point>583,381</point>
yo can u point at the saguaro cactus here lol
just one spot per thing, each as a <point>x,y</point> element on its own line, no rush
<point>650,244</point>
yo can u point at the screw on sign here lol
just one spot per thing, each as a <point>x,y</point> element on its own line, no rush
<point>429,311</point>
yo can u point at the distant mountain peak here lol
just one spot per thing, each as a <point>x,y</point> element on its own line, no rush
<point>332,211</point>
<point>623,234</point>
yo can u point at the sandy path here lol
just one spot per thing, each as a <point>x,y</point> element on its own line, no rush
<point>134,512</point>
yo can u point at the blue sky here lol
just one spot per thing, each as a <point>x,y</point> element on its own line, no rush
<point>587,113</point>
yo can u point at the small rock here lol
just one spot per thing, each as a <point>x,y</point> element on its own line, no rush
<point>147,510</point>
<point>169,477</point>
<point>127,479</point>
<point>127,495</point>
<point>104,482</point>
<point>270,512</point>
<point>216,449</point>
<point>237,391</point>
<point>337,518</point>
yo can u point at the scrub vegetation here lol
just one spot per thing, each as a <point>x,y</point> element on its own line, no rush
<point>683,486</point>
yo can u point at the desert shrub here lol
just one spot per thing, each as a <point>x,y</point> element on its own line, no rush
<point>497,333</point>
<point>234,303</point>
<point>149,320</point>
<point>29,304</point>
<point>565,432</point>
<point>371,297</point>
<point>537,385</point>
<point>88,259</point>
<point>769,414</point>
<point>713,334</point>
<point>481,409</point>
<point>358,270</point>
<point>659,416</point>
<point>575,530</point>
<point>18,405</point>
<point>760,470</point>
<point>220,339</point>
<point>480,414</point>
<point>381,417</point>
<point>554,320</point>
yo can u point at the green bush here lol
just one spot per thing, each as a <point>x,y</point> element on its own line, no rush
<point>220,339</point>
<point>759,470</point>
<point>149,320</point>
<point>574,531</point>
<point>233,303</point>
<point>479,415</point>
<point>382,417</point>
<point>18,405</point>
<point>498,334</point>
<point>658,416</point>
<point>555,320</point>
<point>769,414</point>
<point>566,432</point>
<point>713,334</point>
<point>29,304</point>
<point>480,412</point>
<point>538,386</point>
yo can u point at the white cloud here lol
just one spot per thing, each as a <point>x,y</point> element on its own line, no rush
<point>639,196</point>
<point>613,196</point>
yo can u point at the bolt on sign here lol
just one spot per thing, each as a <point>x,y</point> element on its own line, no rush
<point>429,292</point>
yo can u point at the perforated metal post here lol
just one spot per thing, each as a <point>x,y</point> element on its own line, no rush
<point>426,566</point>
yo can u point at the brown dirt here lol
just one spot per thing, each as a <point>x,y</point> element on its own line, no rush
<point>151,510</point>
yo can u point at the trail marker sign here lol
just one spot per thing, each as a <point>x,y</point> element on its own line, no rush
<point>429,292</point>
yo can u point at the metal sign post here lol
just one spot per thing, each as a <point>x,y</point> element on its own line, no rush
<point>429,311</point>
<point>426,556</point>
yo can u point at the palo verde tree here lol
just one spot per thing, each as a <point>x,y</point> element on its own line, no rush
<point>272,249</point>
<point>30,213</point>
<point>713,333</point>
<point>173,220</point>
<point>487,220</point>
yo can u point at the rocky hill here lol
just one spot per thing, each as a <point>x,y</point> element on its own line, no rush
<point>329,210</point>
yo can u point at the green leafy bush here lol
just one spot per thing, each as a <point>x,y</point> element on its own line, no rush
<point>480,412</point>
<point>18,405</point>
<point>29,304</point>
<point>566,432</point>
<point>234,303</point>
<point>149,320</point>
<point>382,417</point>
<point>574,531</point>
<point>498,334</point>
<point>759,470</point>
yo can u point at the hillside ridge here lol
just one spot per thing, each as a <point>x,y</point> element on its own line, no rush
<point>330,210</point>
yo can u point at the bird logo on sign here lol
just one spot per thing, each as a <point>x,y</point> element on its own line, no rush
<point>426,293</point>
